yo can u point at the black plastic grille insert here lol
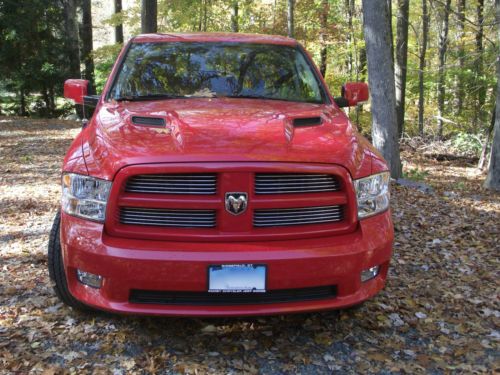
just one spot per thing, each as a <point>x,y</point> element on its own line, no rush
<point>213,299</point>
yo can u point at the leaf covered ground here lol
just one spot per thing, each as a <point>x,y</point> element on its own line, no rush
<point>439,312</point>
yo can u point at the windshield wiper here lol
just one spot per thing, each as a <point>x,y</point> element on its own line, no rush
<point>243,96</point>
<point>271,98</point>
<point>137,98</point>
<point>248,96</point>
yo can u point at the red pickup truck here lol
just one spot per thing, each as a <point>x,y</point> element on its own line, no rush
<point>219,177</point>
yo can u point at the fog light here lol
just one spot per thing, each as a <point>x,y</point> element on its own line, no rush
<point>370,273</point>
<point>89,279</point>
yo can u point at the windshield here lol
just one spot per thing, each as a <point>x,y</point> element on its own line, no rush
<point>171,70</point>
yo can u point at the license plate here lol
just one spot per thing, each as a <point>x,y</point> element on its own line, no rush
<point>237,278</point>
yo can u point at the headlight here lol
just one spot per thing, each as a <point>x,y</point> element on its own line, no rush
<point>372,194</point>
<point>85,196</point>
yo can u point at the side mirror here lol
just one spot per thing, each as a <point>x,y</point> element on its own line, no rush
<point>353,93</point>
<point>76,89</point>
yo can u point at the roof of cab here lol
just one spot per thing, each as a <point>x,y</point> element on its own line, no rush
<point>215,37</point>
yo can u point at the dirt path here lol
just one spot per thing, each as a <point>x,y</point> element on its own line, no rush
<point>439,312</point>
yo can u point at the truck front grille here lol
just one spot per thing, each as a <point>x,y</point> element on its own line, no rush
<point>197,184</point>
<point>187,201</point>
<point>297,216</point>
<point>291,183</point>
<point>167,218</point>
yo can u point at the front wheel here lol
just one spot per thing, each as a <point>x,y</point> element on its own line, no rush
<point>56,267</point>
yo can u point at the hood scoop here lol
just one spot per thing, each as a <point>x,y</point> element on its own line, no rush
<point>300,122</point>
<point>148,121</point>
<point>307,121</point>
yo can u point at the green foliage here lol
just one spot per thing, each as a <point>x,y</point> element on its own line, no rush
<point>467,144</point>
<point>361,117</point>
<point>116,19</point>
<point>33,56</point>
<point>104,59</point>
<point>415,174</point>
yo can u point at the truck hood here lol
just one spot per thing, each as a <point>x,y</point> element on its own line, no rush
<point>221,130</point>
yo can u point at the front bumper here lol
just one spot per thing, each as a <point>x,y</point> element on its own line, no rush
<point>128,264</point>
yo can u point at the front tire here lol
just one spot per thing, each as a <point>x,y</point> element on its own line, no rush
<point>56,267</point>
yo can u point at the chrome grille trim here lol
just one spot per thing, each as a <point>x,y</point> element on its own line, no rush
<point>191,184</point>
<point>297,216</point>
<point>290,183</point>
<point>177,218</point>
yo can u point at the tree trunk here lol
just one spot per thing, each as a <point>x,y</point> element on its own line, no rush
<point>149,14</point>
<point>460,92</point>
<point>46,99</point>
<point>205,15</point>
<point>118,28</point>
<point>481,89</point>
<point>381,79</point>
<point>350,36</point>
<point>72,40</point>
<point>356,56</point>
<point>484,151</point>
<point>401,61</point>
<point>52,100</point>
<point>421,66</point>
<point>493,178</point>
<point>362,64</point>
<point>200,19</point>
<point>234,17</point>
<point>274,15</point>
<point>322,36</point>
<point>87,43</point>
<point>291,31</point>
<point>443,47</point>
<point>23,104</point>
<point>389,8</point>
